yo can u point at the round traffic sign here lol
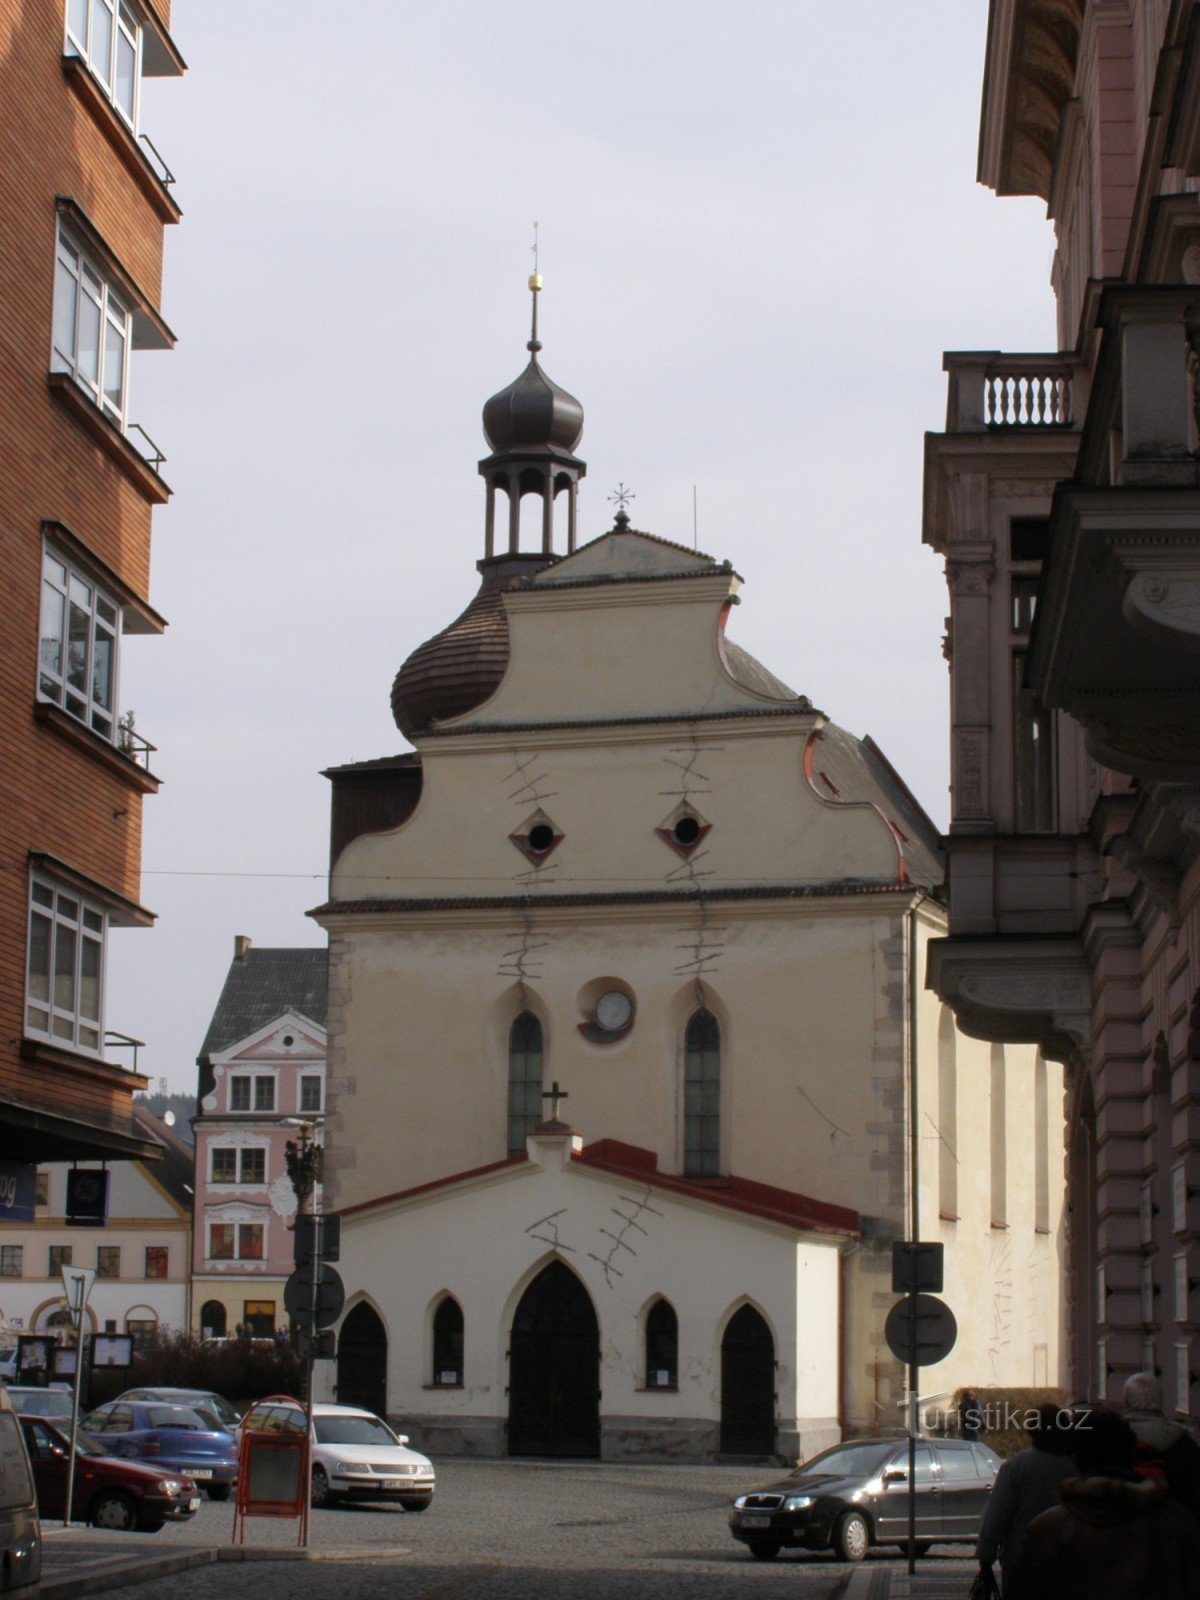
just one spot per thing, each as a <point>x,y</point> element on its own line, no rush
<point>923,1333</point>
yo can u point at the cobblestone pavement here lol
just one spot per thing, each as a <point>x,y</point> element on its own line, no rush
<point>508,1530</point>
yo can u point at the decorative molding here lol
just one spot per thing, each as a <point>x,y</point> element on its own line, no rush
<point>1165,599</point>
<point>1019,991</point>
<point>970,774</point>
<point>969,578</point>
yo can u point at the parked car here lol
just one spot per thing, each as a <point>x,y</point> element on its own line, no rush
<point>227,1415</point>
<point>8,1364</point>
<point>355,1456</point>
<point>31,1401</point>
<point>855,1495</point>
<point>108,1493</point>
<point>175,1437</point>
<point>20,1530</point>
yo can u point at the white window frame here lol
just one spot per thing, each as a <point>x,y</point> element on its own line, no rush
<point>241,1227</point>
<point>85,26</point>
<point>234,1077</point>
<point>79,619</point>
<point>251,1149</point>
<point>310,1077</point>
<point>1182,1287</point>
<point>84,296</point>
<point>222,1149</point>
<point>53,1008</point>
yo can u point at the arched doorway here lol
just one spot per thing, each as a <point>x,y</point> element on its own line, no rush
<point>747,1386</point>
<point>212,1320</point>
<point>554,1369</point>
<point>362,1361</point>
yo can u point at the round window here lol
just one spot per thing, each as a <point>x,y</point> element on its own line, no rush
<point>614,1011</point>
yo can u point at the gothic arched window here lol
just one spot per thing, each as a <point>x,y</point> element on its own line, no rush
<point>448,1343</point>
<point>524,1080</point>
<point>702,1097</point>
<point>662,1346</point>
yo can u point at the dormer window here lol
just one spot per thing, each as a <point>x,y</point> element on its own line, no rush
<point>108,36</point>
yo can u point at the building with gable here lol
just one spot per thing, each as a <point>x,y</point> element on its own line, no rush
<point>633,1081</point>
<point>1064,496</point>
<point>262,1071</point>
<point>141,1254</point>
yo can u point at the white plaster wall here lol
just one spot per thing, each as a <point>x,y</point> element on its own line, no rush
<point>482,1243</point>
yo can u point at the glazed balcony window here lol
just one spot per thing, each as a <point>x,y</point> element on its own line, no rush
<point>92,330</point>
<point>77,659</point>
<point>65,981</point>
<point>108,36</point>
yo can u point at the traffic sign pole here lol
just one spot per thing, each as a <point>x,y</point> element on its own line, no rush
<point>77,1282</point>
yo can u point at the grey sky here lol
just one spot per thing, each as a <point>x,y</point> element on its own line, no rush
<point>760,228</point>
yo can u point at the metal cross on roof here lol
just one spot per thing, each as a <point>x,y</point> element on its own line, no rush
<point>554,1094</point>
<point>621,495</point>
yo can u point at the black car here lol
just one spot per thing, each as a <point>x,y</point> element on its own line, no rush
<point>856,1494</point>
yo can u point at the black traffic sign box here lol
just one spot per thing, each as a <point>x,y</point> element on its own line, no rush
<point>918,1267</point>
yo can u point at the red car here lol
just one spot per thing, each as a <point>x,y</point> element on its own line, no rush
<point>108,1493</point>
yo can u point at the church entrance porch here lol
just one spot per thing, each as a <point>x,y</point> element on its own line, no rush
<point>554,1369</point>
<point>362,1361</point>
<point>747,1386</point>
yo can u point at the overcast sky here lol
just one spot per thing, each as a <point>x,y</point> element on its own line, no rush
<point>760,229</point>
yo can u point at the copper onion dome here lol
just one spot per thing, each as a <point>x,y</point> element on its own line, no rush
<point>533,413</point>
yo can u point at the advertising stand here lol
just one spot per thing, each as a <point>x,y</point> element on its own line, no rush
<point>272,1478</point>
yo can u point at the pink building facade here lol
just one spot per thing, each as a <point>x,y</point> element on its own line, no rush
<point>262,1074</point>
<point>1064,495</point>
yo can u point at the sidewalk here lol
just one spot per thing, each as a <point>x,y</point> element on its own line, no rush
<point>933,1580</point>
<point>78,1561</point>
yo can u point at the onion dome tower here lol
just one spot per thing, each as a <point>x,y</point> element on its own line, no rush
<point>533,427</point>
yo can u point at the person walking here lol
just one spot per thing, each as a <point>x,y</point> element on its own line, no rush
<point>1026,1485</point>
<point>1116,1535</point>
<point>1165,1449</point>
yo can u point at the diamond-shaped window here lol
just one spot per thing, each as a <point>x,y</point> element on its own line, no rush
<point>684,830</point>
<point>537,838</point>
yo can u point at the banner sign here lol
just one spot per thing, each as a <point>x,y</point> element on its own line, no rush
<point>18,1191</point>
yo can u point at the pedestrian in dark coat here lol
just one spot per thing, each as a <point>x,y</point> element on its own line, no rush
<point>1026,1485</point>
<point>1116,1536</point>
<point>970,1417</point>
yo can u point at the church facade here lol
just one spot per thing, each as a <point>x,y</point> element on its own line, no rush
<point>632,1076</point>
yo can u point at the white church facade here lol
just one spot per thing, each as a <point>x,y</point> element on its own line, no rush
<point>632,1074</point>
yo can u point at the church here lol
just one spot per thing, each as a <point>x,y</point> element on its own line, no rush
<point>633,1075</point>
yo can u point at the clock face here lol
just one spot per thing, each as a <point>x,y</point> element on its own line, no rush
<point>614,1010</point>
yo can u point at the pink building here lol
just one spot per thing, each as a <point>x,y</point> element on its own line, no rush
<point>262,1070</point>
<point>1065,496</point>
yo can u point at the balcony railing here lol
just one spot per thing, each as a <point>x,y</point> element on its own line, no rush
<point>990,391</point>
<point>150,453</point>
<point>130,743</point>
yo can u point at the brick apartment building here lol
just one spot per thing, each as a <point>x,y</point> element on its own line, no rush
<point>1064,495</point>
<point>84,200</point>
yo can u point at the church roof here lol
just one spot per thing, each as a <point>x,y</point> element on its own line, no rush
<point>262,985</point>
<point>619,1160</point>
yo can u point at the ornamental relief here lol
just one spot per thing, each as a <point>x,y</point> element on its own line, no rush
<point>1166,599</point>
<point>970,771</point>
<point>1029,993</point>
<point>969,577</point>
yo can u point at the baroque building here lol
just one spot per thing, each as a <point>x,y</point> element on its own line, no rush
<point>632,1078</point>
<point>84,200</point>
<point>1064,495</point>
<point>261,1080</point>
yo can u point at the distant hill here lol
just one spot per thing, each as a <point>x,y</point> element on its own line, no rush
<point>183,1105</point>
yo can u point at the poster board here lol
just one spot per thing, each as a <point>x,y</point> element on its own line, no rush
<point>273,1478</point>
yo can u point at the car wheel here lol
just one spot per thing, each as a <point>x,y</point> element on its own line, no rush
<point>422,1504</point>
<point>851,1536</point>
<point>219,1491</point>
<point>321,1495</point>
<point>112,1509</point>
<point>764,1549</point>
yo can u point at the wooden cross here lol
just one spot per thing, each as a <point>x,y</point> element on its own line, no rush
<point>554,1094</point>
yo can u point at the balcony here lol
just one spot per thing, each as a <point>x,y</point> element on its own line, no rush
<point>996,391</point>
<point>1116,643</point>
<point>1016,991</point>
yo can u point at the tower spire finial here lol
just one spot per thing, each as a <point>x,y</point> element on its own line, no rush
<point>535,285</point>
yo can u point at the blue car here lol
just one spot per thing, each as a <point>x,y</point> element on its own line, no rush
<point>175,1437</point>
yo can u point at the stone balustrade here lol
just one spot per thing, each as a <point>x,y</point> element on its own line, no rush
<point>990,389</point>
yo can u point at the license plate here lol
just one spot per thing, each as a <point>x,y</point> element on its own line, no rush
<point>395,1483</point>
<point>194,1505</point>
<point>200,1472</point>
<point>755,1522</point>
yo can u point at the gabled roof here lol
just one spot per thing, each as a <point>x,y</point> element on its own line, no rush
<point>175,1172</point>
<point>262,985</point>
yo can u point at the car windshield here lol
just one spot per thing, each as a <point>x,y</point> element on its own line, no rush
<point>176,1417</point>
<point>847,1461</point>
<point>44,1403</point>
<point>85,1445</point>
<point>352,1430</point>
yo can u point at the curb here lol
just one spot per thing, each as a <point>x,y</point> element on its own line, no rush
<point>119,1574</point>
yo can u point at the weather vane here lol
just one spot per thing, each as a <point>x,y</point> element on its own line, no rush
<point>621,495</point>
<point>535,248</point>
